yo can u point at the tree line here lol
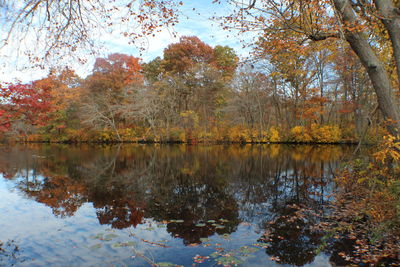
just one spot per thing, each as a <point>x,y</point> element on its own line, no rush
<point>199,93</point>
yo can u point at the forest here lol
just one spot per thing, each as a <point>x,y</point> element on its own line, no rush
<point>197,93</point>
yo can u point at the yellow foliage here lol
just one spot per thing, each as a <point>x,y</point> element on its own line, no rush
<point>128,134</point>
<point>264,137</point>
<point>325,134</point>
<point>316,133</point>
<point>205,136</point>
<point>300,134</point>
<point>373,187</point>
<point>274,135</point>
<point>107,136</point>
<point>220,133</point>
<point>186,133</point>
<point>239,134</point>
<point>390,149</point>
<point>176,135</point>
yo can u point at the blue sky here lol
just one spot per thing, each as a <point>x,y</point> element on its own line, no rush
<point>194,20</point>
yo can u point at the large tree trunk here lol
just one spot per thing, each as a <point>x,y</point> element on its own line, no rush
<point>390,16</point>
<point>375,68</point>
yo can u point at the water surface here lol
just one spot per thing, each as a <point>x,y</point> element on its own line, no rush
<point>138,205</point>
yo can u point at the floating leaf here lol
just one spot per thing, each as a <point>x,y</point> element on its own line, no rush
<point>165,264</point>
<point>129,244</point>
<point>248,250</point>
<point>215,254</point>
<point>261,245</point>
<point>116,245</point>
<point>228,260</point>
<point>176,221</point>
<point>161,226</point>
<point>109,237</point>
<point>219,226</point>
<point>123,244</point>
<point>203,240</point>
<point>200,259</point>
<point>200,224</point>
<point>98,236</point>
<point>211,221</point>
<point>97,246</point>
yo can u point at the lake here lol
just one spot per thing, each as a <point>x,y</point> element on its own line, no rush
<point>165,205</point>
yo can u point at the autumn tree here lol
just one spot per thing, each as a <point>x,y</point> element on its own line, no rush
<point>294,68</point>
<point>358,22</point>
<point>106,89</point>
<point>199,75</point>
<point>22,103</point>
<point>114,74</point>
<point>190,50</point>
<point>64,92</point>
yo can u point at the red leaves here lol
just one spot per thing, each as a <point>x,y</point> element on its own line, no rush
<point>22,102</point>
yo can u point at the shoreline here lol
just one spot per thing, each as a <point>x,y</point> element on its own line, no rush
<point>186,143</point>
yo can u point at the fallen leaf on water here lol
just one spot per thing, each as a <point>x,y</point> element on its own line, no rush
<point>109,237</point>
<point>97,246</point>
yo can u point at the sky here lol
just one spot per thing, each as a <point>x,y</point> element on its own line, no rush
<point>194,21</point>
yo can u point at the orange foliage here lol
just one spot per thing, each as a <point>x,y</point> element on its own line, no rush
<point>180,57</point>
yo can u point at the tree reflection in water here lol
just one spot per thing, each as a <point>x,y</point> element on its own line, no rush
<point>291,236</point>
<point>197,184</point>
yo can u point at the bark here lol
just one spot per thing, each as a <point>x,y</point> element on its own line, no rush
<point>375,68</point>
<point>390,16</point>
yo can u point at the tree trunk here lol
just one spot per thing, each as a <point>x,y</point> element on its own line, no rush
<point>376,71</point>
<point>391,19</point>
